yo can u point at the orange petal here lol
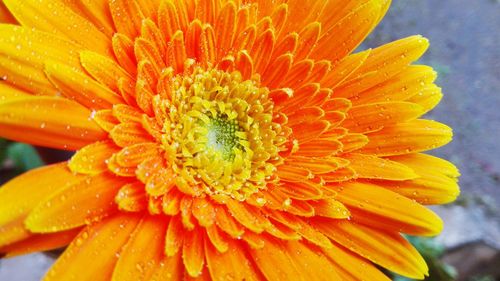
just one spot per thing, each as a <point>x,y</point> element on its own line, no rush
<point>170,269</point>
<point>94,253</point>
<point>171,202</point>
<point>224,27</point>
<point>77,204</point>
<point>244,64</point>
<point>344,69</point>
<point>375,116</point>
<point>315,165</point>
<point>393,210</point>
<point>311,262</point>
<point>307,40</point>
<point>300,96</point>
<point>309,131</point>
<point>217,238</point>
<point>24,52</point>
<point>177,52</point>
<point>92,158</point>
<point>60,20</point>
<point>339,175</point>
<point>76,85</point>
<point>353,142</point>
<point>143,252</point>
<point>133,155</point>
<point>126,134</point>
<point>320,70</point>
<point>105,119</point>
<point>103,69</point>
<point>351,267</point>
<point>131,197</point>
<point>208,48</point>
<point>193,253</point>
<point>123,49</point>
<point>409,82</point>
<point>48,121</point>
<point>118,169</point>
<point>428,98</point>
<point>39,243</point>
<point>97,12</point>
<point>436,184</point>
<point>372,167</point>
<point>20,195</point>
<point>304,190</point>
<point>261,49</point>
<point>160,182</point>
<point>127,16</point>
<point>273,75</point>
<point>298,74</point>
<point>5,15</point>
<point>331,208</point>
<point>291,173</point>
<point>349,32</point>
<point>389,250</point>
<point>247,215</point>
<point>404,138</point>
<point>384,62</point>
<point>287,45</point>
<point>319,148</point>
<point>204,211</point>
<point>233,263</point>
<point>274,261</point>
<point>174,237</point>
<point>227,223</point>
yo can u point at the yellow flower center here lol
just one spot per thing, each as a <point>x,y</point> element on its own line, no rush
<point>219,133</point>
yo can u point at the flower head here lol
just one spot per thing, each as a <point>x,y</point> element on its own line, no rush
<point>215,139</point>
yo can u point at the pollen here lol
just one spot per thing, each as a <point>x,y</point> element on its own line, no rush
<point>218,132</point>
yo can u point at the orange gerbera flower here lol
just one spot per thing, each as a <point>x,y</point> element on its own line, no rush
<point>219,139</point>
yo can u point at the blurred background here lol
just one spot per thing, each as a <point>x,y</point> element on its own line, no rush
<point>465,51</point>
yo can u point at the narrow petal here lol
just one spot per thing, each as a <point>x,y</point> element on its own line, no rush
<point>349,32</point>
<point>170,269</point>
<point>61,20</point>
<point>23,52</point>
<point>389,250</point>
<point>92,158</point>
<point>375,116</point>
<point>5,15</point>
<point>103,69</point>
<point>174,236</point>
<point>234,263</point>
<point>393,210</point>
<point>20,195</point>
<point>143,252</point>
<point>93,254</point>
<point>40,243</point>
<point>48,121</point>
<point>127,16</point>
<point>275,263</point>
<point>404,138</point>
<point>311,262</point>
<point>78,86</point>
<point>331,208</point>
<point>193,253</point>
<point>76,205</point>
<point>130,133</point>
<point>437,183</point>
<point>351,267</point>
<point>372,167</point>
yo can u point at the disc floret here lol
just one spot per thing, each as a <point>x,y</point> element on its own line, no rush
<point>219,134</point>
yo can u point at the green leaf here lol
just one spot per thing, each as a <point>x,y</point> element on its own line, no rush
<point>24,156</point>
<point>3,150</point>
